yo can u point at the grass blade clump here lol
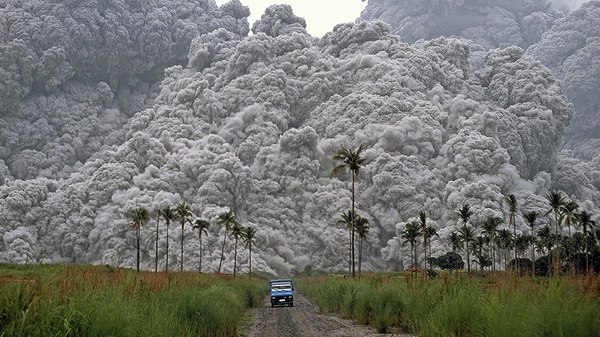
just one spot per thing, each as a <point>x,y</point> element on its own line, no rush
<point>386,308</point>
<point>455,306</point>
<point>95,301</point>
<point>458,312</point>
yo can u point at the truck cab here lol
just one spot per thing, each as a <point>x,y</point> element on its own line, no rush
<point>281,292</point>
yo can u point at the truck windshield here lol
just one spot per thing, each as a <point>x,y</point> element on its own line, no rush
<point>281,287</point>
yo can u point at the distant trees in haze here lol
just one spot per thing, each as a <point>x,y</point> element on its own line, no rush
<point>182,211</point>
<point>139,216</point>
<point>563,252</point>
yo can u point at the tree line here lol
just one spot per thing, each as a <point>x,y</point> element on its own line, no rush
<point>575,250</point>
<point>182,212</point>
<point>487,244</point>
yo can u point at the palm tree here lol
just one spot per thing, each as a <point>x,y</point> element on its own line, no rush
<point>158,215</point>
<point>227,220</point>
<point>546,239</point>
<point>456,242</point>
<point>249,236</point>
<point>504,241</point>
<point>362,228</point>
<point>531,218</point>
<point>237,232</point>
<point>346,219</point>
<point>202,226</point>
<point>426,235</point>
<point>410,234</point>
<point>353,161</point>
<point>138,217</point>
<point>429,233</point>
<point>585,221</point>
<point>183,212</point>
<point>511,200</point>
<point>169,216</point>
<point>556,201</point>
<point>490,228</point>
<point>465,213</point>
<point>568,213</point>
<point>483,259</point>
<point>521,244</point>
<point>467,235</point>
<point>572,245</point>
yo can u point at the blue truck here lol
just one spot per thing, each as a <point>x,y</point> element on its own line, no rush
<point>281,292</point>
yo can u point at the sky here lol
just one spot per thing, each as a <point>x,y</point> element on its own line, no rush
<point>320,15</point>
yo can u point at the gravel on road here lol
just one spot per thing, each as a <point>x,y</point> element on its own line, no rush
<point>303,320</point>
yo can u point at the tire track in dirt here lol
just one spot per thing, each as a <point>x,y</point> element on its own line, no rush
<point>302,320</point>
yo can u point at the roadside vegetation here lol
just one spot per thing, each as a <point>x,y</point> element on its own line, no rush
<point>73,300</point>
<point>455,305</point>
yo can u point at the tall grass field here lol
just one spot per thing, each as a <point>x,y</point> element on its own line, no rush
<point>72,300</point>
<point>448,306</point>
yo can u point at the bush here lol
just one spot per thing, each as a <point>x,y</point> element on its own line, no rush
<point>449,261</point>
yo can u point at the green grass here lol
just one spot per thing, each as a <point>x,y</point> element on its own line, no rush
<point>462,307</point>
<point>102,301</point>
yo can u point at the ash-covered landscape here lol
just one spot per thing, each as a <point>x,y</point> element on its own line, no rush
<point>111,106</point>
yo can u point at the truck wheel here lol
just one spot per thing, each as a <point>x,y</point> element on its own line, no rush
<point>272,305</point>
<point>291,304</point>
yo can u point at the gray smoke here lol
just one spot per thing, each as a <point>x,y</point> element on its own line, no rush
<point>250,123</point>
<point>73,73</point>
<point>567,6</point>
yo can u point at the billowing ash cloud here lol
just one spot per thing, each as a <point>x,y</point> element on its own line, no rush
<point>567,46</point>
<point>568,6</point>
<point>250,124</point>
<point>73,73</point>
<point>572,50</point>
<point>489,24</point>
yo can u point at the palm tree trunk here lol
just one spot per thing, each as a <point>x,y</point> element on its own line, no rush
<point>424,249</point>
<point>416,251</point>
<point>499,256</point>
<point>359,255</point>
<point>467,248</point>
<point>353,213</point>
<point>587,262</point>
<point>235,256</point>
<point>491,248</point>
<point>412,257</point>
<point>416,262</point>
<point>137,234</point>
<point>557,262</point>
<point>250,259</point>
<point>200,260</point>
<point>156,251</point>
<point>181,259</point>
<point>167,257</point>
<point>514,223</point>
<point>468,261</point>
<point>350,251</point>
<point>499,259</point>
<point>222,252</point>
<point>532,257</point>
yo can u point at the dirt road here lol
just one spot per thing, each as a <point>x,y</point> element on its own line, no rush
<point>302,320</point>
